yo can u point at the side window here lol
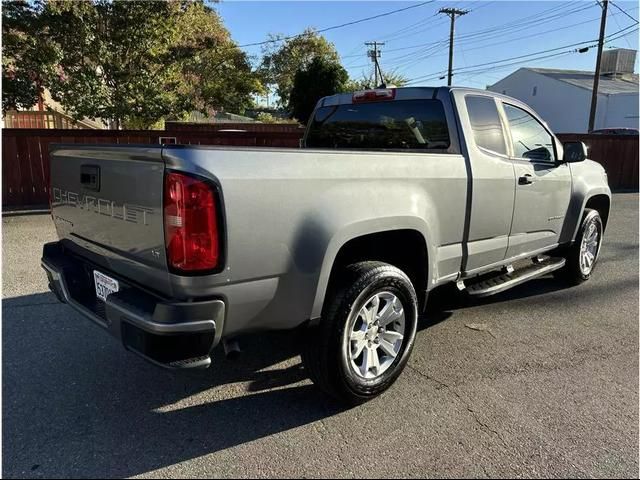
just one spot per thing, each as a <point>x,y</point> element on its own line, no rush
<point>530,139</point>
<point>485,122</point>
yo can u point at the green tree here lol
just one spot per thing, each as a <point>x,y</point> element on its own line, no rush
<point>217,74</point>
<point>365,82</point>
<point>281,60</point>
<point>26,58</point>
<point>319,79</point>
<point>266,117</point>
<point>135,63</point>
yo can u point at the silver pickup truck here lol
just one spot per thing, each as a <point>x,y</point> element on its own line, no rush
<point>175,249</point>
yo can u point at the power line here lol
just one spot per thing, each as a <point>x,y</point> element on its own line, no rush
<point>470,74</point>
<point>475,73</point>
<point>622,35</point>
<point>334,27</point>
<point>623,11</point>
<point>519,24</point>
<point>621,32</point>
<point>501,60</point>
<point>539,33</point>
<point>618,24</point>
<point>510,40</point>
<point>495,67</point>
<point>609,38</point>
<point>530,21</point>
<point>417,28</point>
<point>410,30</point>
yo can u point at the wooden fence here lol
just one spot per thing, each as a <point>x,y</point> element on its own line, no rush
<point>248,127</point>
<point>45,119</point>
<point>618,154</point>
<point>25,153</point>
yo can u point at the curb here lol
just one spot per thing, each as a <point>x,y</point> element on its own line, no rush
<point>15,213</point>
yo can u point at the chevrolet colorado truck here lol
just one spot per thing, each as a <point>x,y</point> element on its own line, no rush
<point>175,249</point>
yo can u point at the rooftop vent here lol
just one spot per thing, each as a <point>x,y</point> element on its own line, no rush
<point>619,61</point>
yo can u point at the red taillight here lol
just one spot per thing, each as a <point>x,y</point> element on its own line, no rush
<point>190,223</point>
<point>374,95</point>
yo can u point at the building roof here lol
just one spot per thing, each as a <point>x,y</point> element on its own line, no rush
<point>608,85</point>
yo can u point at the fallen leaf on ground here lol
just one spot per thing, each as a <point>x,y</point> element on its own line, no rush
<point>481,327</point>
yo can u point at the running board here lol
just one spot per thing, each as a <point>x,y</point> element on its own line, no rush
<point>506,280</point>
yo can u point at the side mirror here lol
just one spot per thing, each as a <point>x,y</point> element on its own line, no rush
<point>574,151</point>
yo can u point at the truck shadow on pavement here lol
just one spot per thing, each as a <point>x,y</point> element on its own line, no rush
<point>448,299</point>
<point>76,404</point>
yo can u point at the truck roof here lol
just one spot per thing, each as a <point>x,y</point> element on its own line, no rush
<point>402,93</point>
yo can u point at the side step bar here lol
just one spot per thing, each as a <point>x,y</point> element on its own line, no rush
<point>501,281</point>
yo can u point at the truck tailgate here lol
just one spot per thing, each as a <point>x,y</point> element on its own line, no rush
<point>107,205</point>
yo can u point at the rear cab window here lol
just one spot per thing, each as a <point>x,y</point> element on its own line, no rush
<point>485,123</point>
<point>418,124</point>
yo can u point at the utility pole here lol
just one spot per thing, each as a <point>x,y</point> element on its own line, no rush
<point>452,13</point>
<point>596,75</point>
<point>374,55</point>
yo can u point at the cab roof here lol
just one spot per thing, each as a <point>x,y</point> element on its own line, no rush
<point>414,93</point>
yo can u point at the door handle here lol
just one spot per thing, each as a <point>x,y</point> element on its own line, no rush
<point>525,180</point>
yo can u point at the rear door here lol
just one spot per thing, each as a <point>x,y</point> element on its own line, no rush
<point>543,185</point>
<point>107,207</point>
<point>492,180</point>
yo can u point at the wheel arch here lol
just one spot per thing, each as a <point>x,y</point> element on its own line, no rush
<point>601,203</point>
<point>404,244</point>
<point>596,198</point>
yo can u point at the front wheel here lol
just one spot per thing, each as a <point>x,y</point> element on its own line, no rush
<point>366,335</point>
<point>582,256</point>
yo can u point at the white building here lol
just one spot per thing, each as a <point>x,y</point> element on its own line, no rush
<point>563,97</point>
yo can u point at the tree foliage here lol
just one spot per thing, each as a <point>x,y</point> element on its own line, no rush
<point>26,58</point>
<point>319,79</point>
<point>266,117</point>
<point>134,63</point>
<point>281,60</point>
<point>365,82</point>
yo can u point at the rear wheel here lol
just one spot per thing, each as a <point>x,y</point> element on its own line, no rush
<point>366,335</point>
<point>582,256</point>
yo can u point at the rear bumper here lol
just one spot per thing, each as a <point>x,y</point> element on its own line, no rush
<point>169,334</point>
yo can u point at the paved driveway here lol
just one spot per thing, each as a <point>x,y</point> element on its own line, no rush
<point>551,389</point>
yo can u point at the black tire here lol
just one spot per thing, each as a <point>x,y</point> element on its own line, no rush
<point>324,354</point>
<point>572,272</point>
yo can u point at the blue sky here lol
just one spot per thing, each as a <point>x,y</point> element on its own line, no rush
<point>417,39</point>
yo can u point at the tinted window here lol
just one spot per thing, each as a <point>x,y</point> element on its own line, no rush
<point>485,122</point>
<point>530,139</point>
<point>400,124</point>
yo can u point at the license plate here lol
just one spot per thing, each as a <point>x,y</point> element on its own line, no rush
<point>105,285</point>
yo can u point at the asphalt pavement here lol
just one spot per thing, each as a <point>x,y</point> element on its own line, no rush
<point>544,384</point>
